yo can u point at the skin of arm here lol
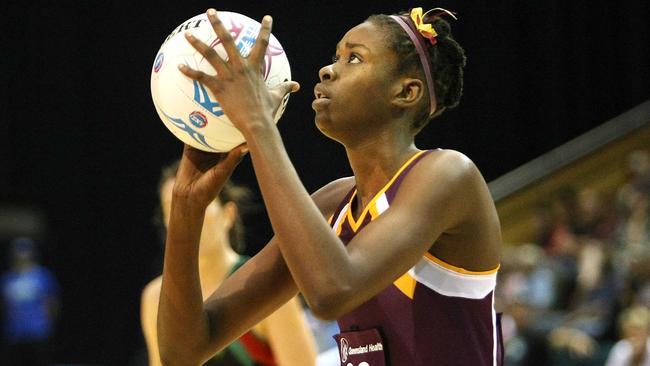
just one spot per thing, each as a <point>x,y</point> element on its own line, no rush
<point>286,330</point>
<point>189,331</point>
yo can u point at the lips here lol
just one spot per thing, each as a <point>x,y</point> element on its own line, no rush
<point>321,98</point>
<point>320,92</point>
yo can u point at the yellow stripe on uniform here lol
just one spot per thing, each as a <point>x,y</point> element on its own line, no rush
<point>355,224</point>
<point>451,267</point>
<point>406,284</point>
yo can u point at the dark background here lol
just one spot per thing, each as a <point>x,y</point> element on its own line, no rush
<point>80,139</point>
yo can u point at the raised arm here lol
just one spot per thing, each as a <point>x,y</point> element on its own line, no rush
<point>189,331</point>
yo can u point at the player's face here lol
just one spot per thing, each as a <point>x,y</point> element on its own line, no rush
<point>355,90</point>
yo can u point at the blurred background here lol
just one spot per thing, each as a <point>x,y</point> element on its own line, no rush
<point>555,113</point>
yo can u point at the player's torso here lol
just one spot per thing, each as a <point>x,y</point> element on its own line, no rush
<point>433,314</point>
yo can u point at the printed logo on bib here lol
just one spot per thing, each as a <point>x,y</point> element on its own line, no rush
<point>361,348</point>
<point>344,349</point>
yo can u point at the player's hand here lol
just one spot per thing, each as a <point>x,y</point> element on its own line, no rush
<point>201,175</point>
<point>239,85</point>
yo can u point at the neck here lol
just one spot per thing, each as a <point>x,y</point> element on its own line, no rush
<point>374,163</point>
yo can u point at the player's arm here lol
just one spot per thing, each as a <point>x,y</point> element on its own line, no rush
<point>262,285</point>
<point>189,331</point>
<point>436,198</point>
<point>289,335</point>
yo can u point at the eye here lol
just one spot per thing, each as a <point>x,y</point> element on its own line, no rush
<point>354,59</point>
<point>335,58</point>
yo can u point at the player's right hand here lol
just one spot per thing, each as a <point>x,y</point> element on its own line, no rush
<point>201,175</point>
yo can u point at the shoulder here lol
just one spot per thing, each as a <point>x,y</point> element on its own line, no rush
<point>328,197</point>
<point>444,181</point>
<point>444,168</point>
<point>151,292</point>
<point>450,162</point>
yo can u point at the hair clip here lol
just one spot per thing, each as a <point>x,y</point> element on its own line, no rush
<point>426,29</point>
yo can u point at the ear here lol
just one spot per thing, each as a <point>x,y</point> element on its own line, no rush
<point>229,212</point>
<point>408,92</point>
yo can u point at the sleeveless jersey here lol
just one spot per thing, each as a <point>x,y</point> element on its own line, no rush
<point>435,314</point>
<point>248,350</point>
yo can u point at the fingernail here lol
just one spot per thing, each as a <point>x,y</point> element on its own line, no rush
<point>266,19</point>
<point>189,35</point>
<point>212,12</point>
<point>181,67</point>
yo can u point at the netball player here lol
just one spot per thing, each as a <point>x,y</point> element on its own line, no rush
<point>271,342</point>
<point>403,254</point>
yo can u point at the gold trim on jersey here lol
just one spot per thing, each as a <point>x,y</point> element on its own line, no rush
<point>406,284</point>
<point>446,279</point>
<point>444,264</point>
<point>371,206</point>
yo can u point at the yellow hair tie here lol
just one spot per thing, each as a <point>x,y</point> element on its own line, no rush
<point>425,29</point>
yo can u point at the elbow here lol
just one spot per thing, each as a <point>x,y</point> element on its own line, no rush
<point>330,306</point>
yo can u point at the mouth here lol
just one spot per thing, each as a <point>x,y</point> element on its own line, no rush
<point>319,93</point>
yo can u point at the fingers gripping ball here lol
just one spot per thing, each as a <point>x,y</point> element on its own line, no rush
<point>188,109</point>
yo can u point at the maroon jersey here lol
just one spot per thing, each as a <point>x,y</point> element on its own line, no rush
<point>435,314</point>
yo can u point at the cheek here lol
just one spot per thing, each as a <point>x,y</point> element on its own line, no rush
<point>368,93</point>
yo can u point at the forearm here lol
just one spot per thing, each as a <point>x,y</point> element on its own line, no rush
<point>305,239</point>
<point>183,327</point>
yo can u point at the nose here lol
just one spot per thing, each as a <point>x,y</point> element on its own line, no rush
<point>327,73</point>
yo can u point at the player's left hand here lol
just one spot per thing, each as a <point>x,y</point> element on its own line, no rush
<point>238,85</point>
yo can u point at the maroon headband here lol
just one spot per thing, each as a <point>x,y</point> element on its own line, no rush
<point>406,24</point>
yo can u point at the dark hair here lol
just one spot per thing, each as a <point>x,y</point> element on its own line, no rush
<point>447,62</point>
<point>239,195</point>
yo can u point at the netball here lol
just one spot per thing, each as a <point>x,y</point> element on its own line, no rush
<point>185,106</point>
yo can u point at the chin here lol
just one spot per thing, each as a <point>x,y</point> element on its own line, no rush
<point>324,126</point>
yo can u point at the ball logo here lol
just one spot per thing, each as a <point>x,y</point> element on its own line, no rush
<point>158,62</point>
<point>198,120</point>
<point>344,349</point>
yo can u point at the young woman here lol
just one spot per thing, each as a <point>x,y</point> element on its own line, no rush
<point>271,342</point>
<point>403,254</point>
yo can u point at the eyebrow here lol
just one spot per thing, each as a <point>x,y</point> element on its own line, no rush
<point>353,45</point>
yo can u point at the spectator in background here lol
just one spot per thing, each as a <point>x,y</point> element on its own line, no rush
<point>634,347</point>
<point>30,306</point>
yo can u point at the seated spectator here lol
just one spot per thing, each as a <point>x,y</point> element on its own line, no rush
<point>634,347</point>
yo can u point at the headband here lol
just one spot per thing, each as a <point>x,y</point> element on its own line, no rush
<point>412,28</point>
